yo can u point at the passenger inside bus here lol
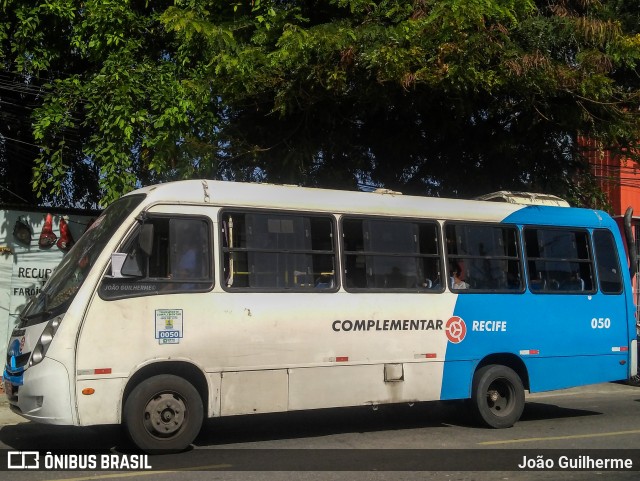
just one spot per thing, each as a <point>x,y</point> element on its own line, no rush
<point>457,282</point>
<point>188,248</point>
<point>188,263</point>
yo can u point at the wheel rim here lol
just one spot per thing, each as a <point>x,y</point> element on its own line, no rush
<point>165,415</point>
<point>500,397</point>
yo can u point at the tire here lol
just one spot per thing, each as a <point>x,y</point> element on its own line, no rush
<point>497,396</point>
<point>163,414</point>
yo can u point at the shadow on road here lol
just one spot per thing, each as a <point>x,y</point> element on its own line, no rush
<point>266,427</point>
<point>33,436</point>
<point>323,422</point>
<point>534,411</point>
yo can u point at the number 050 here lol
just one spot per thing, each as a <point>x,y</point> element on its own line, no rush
<point>600,323</point>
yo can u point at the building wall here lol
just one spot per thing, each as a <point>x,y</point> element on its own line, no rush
<point>618,176</point>
<point>24,268</point>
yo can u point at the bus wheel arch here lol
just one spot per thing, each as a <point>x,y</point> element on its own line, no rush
<point>497,393</point>
<point>511,361</point>
<point>164,406</point>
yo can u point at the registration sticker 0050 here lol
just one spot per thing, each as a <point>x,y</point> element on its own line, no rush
<point>169,326</point>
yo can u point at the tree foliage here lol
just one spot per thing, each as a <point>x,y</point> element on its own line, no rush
<point>114,99</point>
<point>446,97</point>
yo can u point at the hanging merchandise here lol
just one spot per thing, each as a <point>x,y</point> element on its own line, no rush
<point>66,239</point>
<point>47,237</point>
<point>22,231</point>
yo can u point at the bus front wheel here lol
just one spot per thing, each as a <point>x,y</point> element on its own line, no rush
<point>497,396</point>
<point>163,414</point>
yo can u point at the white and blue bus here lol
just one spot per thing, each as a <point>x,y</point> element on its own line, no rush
<point>200,299</point>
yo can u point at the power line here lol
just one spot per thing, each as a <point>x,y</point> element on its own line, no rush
<point>14,194</point>
<point>20,141</point>
<point>21,89</point>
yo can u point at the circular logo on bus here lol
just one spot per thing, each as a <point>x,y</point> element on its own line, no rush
<point>456,329</point>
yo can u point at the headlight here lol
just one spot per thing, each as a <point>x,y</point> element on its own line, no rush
<point>47,335</point>
<point>45,339</point>
<point>37,355</point>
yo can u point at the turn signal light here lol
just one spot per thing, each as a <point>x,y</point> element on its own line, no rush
<point>88,391</point>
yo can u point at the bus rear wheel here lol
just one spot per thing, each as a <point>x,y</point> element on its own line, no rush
<point>163,414</point>
<point>497,396</point>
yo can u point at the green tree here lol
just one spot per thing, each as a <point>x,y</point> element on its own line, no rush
<point>116,109</point>
<point>17,148</point>
<point>446,97</point>
<point>440,97</point>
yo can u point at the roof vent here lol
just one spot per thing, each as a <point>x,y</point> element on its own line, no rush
<point>527,198</point>
<point>381,190</point>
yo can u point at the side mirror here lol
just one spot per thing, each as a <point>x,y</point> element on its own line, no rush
<point>132,265</point>
<point>630,241</point>
<point>117,261</point>
<point>145,239</point>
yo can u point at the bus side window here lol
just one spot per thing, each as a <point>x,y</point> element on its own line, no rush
<point>278,251</point>
<point>483,257</point>
<point>386,254</point>
<point>189,250</point>
<point>179,261</point>
<point>608,265</point>
<point>159,259</point>
<point>559,260</point>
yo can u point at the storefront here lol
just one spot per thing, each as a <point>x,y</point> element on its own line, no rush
<point>32,243</point>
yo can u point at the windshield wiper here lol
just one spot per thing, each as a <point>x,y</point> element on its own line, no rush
<point>26,321</point>
<point>44,312</point>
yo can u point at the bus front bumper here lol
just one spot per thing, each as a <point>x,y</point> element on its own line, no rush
<point>41,393</point>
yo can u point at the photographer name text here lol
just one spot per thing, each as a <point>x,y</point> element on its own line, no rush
<point>575,463</point>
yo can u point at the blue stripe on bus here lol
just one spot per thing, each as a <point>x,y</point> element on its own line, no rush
<point>560,348</point>
<point>560,216</point>
<point>553,331</point>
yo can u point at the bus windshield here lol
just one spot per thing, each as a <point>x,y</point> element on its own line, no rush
<point>74,267</point>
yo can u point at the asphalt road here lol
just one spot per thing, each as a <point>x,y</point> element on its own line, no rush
<point>400,442</point>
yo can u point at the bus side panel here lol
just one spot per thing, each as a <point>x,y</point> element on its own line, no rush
<point>215,386</point>
<point>580,371</point>
<point>272,346</point>
<point>365,384</point>
<point>334,346</point>
<point>456,380</point>
<point>560,328</point>
<point>540,215</point>
<point>251,392</point>
<point>104,405</point>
